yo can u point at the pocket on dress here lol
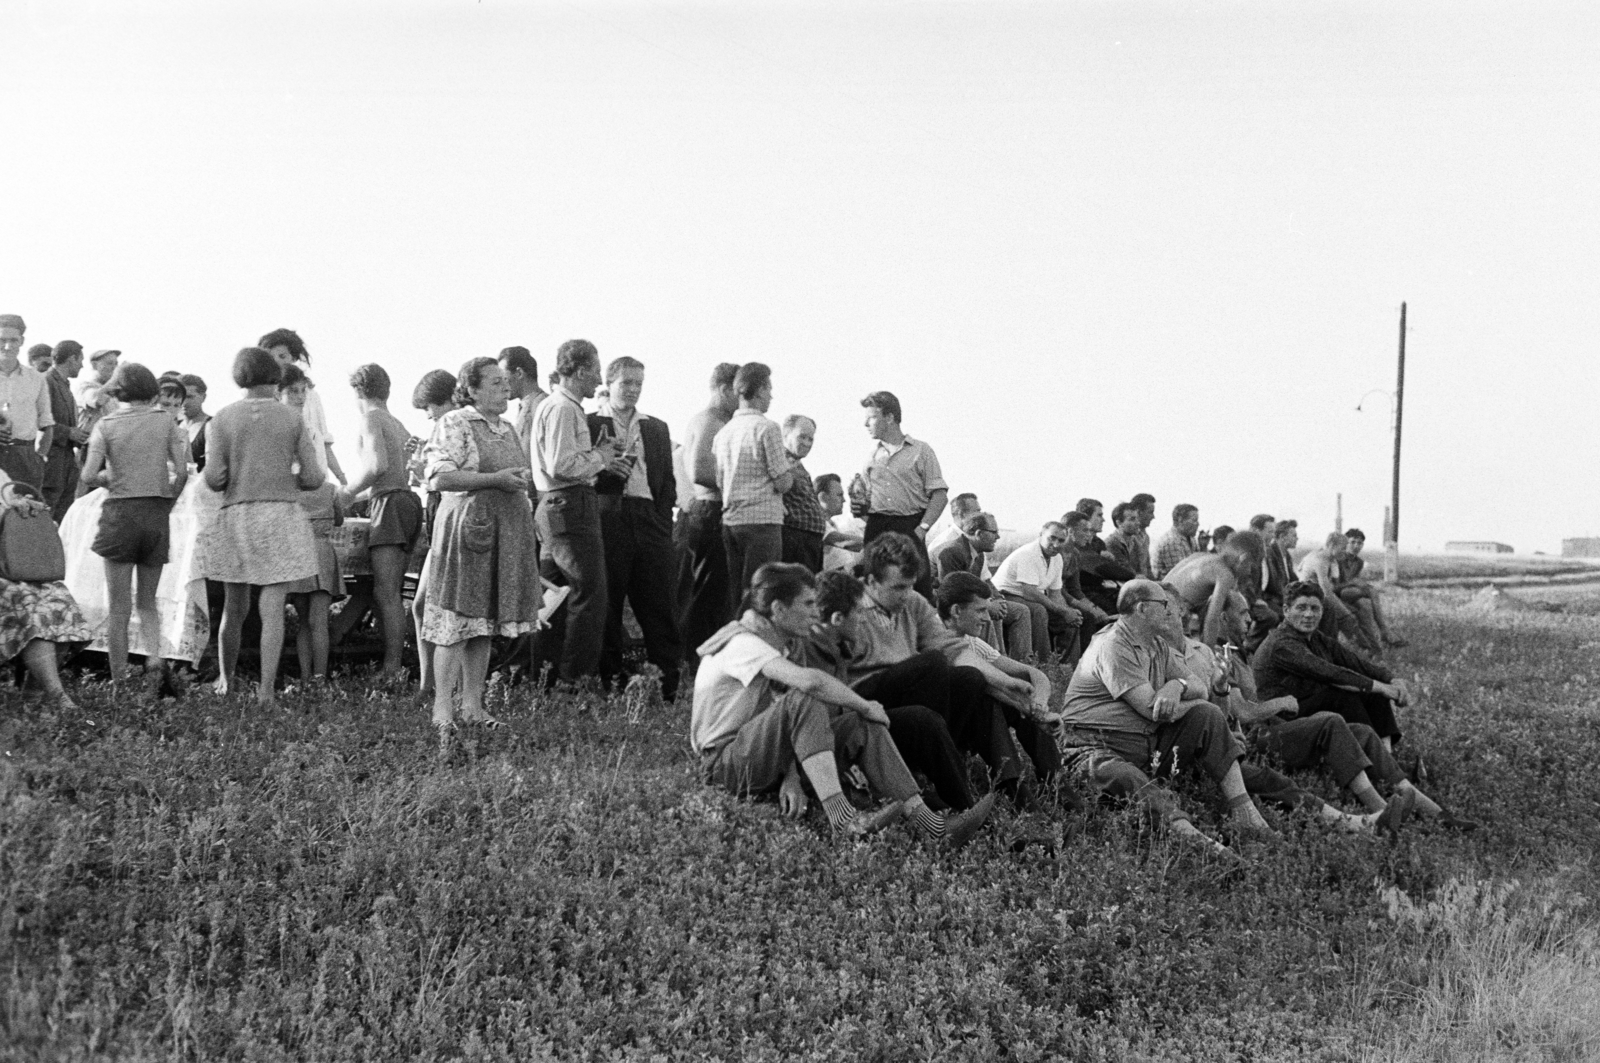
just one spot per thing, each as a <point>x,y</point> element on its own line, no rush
<point>477,534</point>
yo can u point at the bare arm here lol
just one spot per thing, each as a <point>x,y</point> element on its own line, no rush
<point>94,462</point>
<point>372,454</point>
<point>1216,625</point>
<point>823,687</point>
<point>178,454</point>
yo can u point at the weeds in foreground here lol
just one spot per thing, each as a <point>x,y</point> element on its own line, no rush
<point>203,880</point>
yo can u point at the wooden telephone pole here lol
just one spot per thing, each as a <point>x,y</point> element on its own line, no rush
<point>1391,539</point>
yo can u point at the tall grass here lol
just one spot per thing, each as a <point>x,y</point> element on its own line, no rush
<point>201,880</point>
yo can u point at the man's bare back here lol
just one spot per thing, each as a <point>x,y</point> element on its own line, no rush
<point>382,432</point>
<point>1205,581</point>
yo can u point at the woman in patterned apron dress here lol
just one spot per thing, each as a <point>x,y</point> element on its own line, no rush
<point>482,579</point>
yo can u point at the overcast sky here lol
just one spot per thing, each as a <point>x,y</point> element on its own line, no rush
<point>1095,248</point>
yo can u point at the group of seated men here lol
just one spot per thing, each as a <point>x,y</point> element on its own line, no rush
<point>1205,655</point>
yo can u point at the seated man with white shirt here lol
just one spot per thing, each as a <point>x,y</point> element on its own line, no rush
<point>1037,576</point>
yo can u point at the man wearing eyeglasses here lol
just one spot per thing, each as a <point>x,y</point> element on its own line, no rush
<point>1126,718</point>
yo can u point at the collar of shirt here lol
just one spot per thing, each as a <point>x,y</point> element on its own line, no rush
<point>607,410</point>
<point>891,448</point>
<point>561,389</point>
<point>18,368</point>
<point>472,413</point>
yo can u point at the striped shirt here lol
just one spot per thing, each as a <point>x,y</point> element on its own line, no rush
<point>801,510</point>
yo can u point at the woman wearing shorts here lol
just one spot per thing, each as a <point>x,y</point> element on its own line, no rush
<point>141,456</point>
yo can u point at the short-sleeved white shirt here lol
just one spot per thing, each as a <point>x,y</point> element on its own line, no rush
<point>1027,565</point>
<point>722,695</point>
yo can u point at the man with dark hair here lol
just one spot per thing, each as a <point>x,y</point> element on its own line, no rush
<point>61,463</point>
<point>522,377</point>
<point>1127,718</point>
<point>26,423</point>
<point>905,488</point>
<point>1212,586</point>
<point>1123,542</point>
<point>1178,543</point>
<point>1104,575</point>
<point>1359,594</point>
<point>841,547</point>
<point>753,474</point>
<point>636,527</point>
<point>804,526</point>
<point>704,598</point>
<point>1011,623</point>
<point>1322,568</point>
<point>964,608</point>
<point>195,417</point>
<point>565,465</point>
<point>903,655</point>
<point>396,512</point>
<point>1146,504</point>
<point>41,356</point>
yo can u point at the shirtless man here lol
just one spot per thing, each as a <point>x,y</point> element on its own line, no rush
<point>396,510</point>
<point>1207,583</point>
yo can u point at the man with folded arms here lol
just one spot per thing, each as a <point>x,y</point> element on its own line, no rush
<point>1127,714</point>
<point>753,475</point>
<point>1123,543</point>
<point>804,524</point>
<point>760,721</point>
<point>1100,575</point>
<point>906,491</point>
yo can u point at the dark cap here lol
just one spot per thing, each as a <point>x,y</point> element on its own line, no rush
<point>102,352</point>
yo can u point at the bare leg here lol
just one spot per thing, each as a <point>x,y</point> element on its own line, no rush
<point>119,599</point>
<point>388,574</point>
<point>448,662</point>
<point>235,607</point>
<point>474,672</point>
<point>320,602</point>
<point>150,616</point>
<point>302,633</point>
<point>1366,793</point>
<point>273,598</point>
<point>40,657</point>
<point>425,649</point>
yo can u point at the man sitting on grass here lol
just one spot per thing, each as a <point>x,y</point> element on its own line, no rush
<point>1360,595</point>
<point>1127,714</point>
<point>1322,568</point>
<point>1210,585</point>
<point>1345,751</point>
<point>964,608</point>
<point>760,721</point>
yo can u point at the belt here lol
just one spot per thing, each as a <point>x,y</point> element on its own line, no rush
<point>569,487</point>
<point>19,443</point>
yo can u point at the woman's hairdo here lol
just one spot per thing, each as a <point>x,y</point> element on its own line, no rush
<point>437,387</point>
<point>371,381</point>
<point>777,582</point>
<point>471,376</point>
<point>254,367</point>
<point>288,338</point>
<point>132,382</point>
<point>292,374</point>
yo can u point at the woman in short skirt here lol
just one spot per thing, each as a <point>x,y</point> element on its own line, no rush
<point>260,456</point>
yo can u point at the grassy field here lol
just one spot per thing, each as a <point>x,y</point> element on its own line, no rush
<point>1483,566</point>
<point>198,880</point>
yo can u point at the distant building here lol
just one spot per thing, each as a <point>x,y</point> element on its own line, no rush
<point>1478,547</point>
<point>1589,547</point>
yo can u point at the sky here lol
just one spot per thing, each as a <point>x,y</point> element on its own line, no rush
<point>1095,248</point>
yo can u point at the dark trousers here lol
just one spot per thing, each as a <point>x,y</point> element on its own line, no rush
<point>640,568</point>
<point>1370,710</point>
<point>60,480</point>
<point>568,523</point>
<point>878,523</point>
<point>21,462</point>
<point>1120,763</point>
<point>802,548</point>
<point>1276,788</point>
<point>924,741</point>
<point>749,546</point>
<point>974,719</point>
<point>702,573</point>
<point>1324,740</point>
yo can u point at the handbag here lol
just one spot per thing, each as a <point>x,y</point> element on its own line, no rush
<point>30,546</point>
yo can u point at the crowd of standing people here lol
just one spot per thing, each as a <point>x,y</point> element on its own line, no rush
<point>852,644</point>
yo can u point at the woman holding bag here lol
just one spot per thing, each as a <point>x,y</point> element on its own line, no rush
<point>35,615</point>
<point>482,579</point>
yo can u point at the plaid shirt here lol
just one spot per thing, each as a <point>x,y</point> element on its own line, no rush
<point>801,510</point>
<point>749,453</point>
<point>1170,549</point>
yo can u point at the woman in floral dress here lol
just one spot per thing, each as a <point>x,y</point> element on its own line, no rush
<point>34,617</point>
<point>482,576</point>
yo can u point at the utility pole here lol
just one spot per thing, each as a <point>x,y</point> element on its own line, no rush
<point>1391,546</point>
<point>1338,512</point>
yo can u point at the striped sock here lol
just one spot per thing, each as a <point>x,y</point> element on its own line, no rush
<point>841,813</point>
<point>926,819</point>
